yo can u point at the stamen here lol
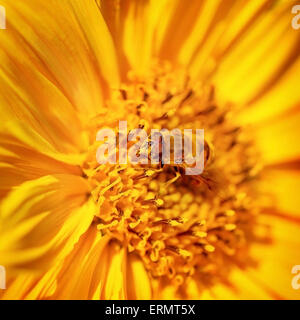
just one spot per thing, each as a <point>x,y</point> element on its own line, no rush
<point>209,248</point>
<point>180,226</point>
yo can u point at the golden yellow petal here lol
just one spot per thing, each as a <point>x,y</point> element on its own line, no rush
<point>114,287</point>
<point>72,52</point>
<point>242,287</point>
<point>177,24</point>
<point>283,186</point>
<point>277,139</point>
<point>73,278</point>
<point>19,287</point>
<point>25,155</point>
<point>164,291</point>
<point>28,97</point>
<point>84,270</point>
<point>41,221</point>
<point>283,97</point>
<point>275,261</point>
<point>17,133</point>
<point>134,27</point>
<point>99,41</point>
<point>205,32</point>
<point>138,282</point>
<point>259,59</point>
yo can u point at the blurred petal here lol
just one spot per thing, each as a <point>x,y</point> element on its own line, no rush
<point>277,140</point>
<point>74,278</point>
<point>177,25</point>
<point>242,288</point>
<point>42,220</point>
<point>138,282</point>
<point>67,55</point>
<point>274,272</point>
<point>133,25</point>
<point>84,270</point>
<point>206,31</point>
<point>265,53</point>
<point>103,52</point>
<point>114,287</point>
<point>25,155</point>
<point>28,98</point>
<point>275,102</point>
<point>284,187</point>
<point>18,288</point>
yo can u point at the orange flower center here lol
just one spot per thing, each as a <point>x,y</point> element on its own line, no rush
<point>180,226</point>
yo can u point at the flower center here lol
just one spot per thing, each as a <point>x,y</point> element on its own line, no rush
<point>180,226</point>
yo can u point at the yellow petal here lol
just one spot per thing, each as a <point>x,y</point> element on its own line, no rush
<point>17,133</point>
<point>76,277</point>
<point>283,97</point>
<point>276,261</point>
<point>28,98</point>
<point>28,286</point>
<point>277,140</point>
<point>203,30</point>
<point>138,282</point>
<point>283,187</point>
<point>165,291</point>
<point>72,52</point>
<point>133,25</point>
<point>25,155</point>
<point>42,220</point>
<point>84,270</point>
<point>115,281</point>
<point>264,54</point>
<point>96,269</point>
<point>99,40</point>
<point>241,287</point>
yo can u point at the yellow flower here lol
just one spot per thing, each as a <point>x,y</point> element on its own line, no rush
<point>73,229</point>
